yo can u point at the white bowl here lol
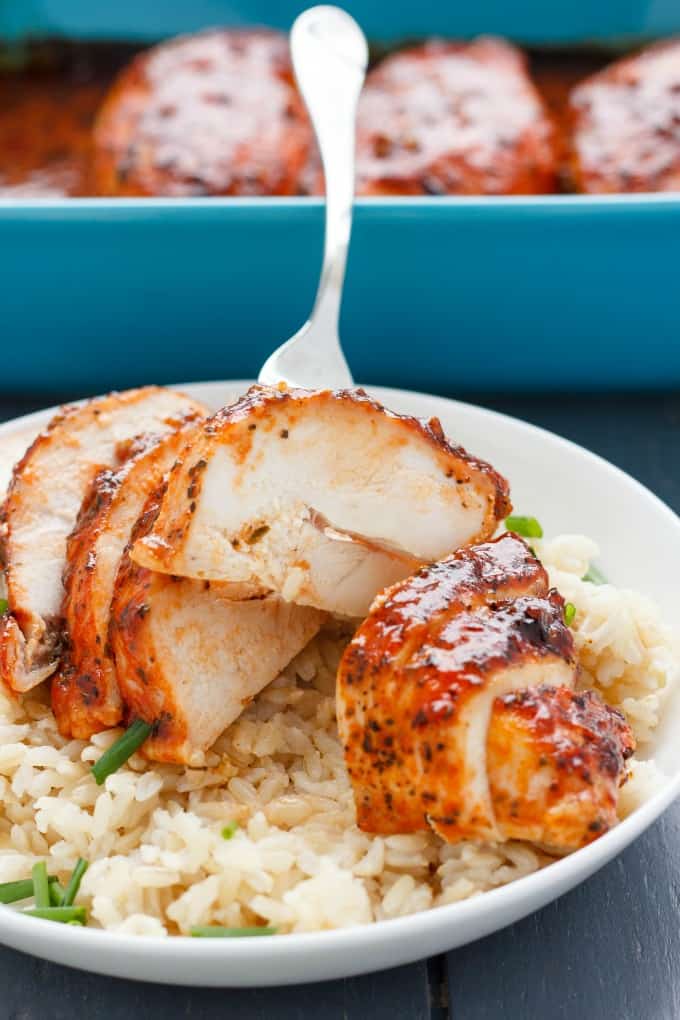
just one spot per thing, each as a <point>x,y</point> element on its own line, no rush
<point>569,490</point>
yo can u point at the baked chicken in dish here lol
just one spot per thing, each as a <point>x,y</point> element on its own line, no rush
<point>322,497</point>
<point>215,113</point>
<point>457,709</point>
<point>454,118</point>
<point>44,499</point>
<point>625,124</point>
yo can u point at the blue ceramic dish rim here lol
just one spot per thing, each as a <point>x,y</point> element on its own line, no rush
<point>552,202</point>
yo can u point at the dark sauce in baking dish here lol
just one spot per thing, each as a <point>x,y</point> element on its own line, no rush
<point>50,92</point>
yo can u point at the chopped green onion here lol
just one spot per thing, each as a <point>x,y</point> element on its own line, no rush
<point>78,924</point>
<point>214,931</point>
<point>119,752</point>
<point>4,606</point>
<point>56,894</point>
<point>229,830</point>
<point>527,527</point>
<point>74,883</point>
<point>594,575</point>
<point>10,892</point>
<point>62,914</point>
<point>41,886</point>
<point>569,613</point>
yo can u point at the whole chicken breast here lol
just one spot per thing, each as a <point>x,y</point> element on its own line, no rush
<point>321,497</point>
<point>421,700</point>
<point>454,118</point>
<point>85,694</point>
<point>216,113</point>
<point>189,657</point>
<point>41,508</point>
<point>625,124</point>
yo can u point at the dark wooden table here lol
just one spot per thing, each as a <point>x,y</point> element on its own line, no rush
<point>610,950</point>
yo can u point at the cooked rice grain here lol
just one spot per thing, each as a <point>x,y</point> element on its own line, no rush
<point>159,863</point>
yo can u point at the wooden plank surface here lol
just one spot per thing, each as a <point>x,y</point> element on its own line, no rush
<point>33,990</point>
<point>610,950</point>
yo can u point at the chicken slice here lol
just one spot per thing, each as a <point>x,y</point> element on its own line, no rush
<point>189,657</point>
<point>322,497</point>
<point>12,449</point>
<point>85,695</point>
<point>45,495</point>
<point>428,696</point>
<point>556,759</point>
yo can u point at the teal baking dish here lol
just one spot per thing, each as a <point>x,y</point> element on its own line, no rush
<point>443,294</point>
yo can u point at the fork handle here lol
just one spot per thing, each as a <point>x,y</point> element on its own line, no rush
<point>330,55</point>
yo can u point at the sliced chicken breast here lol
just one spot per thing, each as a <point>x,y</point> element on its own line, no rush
<point>189,657</point>
<point>421,683</point>
<point>44,499</point>
<point>322,497</point>
<point>85,695</point>
<point>12,449</point>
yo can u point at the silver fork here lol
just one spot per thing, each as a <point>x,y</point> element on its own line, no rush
<point>330,55</point>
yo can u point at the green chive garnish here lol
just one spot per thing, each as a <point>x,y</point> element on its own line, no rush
<point>74,883</point>
<point>11,892</point>
<point>4,606</point>
<point>594,575</point>
<point>214,931</point>
<point>41,886</point>
<point>61,914</point>
<point>229,830</point>
<point>119,752</point>
<point>527,527</point>
<point>56,894</point>
<point>569,613</point>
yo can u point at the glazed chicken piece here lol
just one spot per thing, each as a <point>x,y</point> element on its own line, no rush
<point>457,689</point>
<point>41,508</point>
<point>210,114</point>
<point>555,760</point>
<point>189,657</point>
<point>321,497</point>
<point>454,118</point>
<point>625,124</point>
<point>85,694</point>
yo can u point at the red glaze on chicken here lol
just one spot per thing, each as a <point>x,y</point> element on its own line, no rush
<point>555,760</point>
<point>625,124</point>
<point>420,687</point>
<point>454,118</point>
<point>210,114</point>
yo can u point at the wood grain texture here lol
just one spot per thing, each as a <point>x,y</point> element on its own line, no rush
<point>34,990</point>
<point>610,950</point>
